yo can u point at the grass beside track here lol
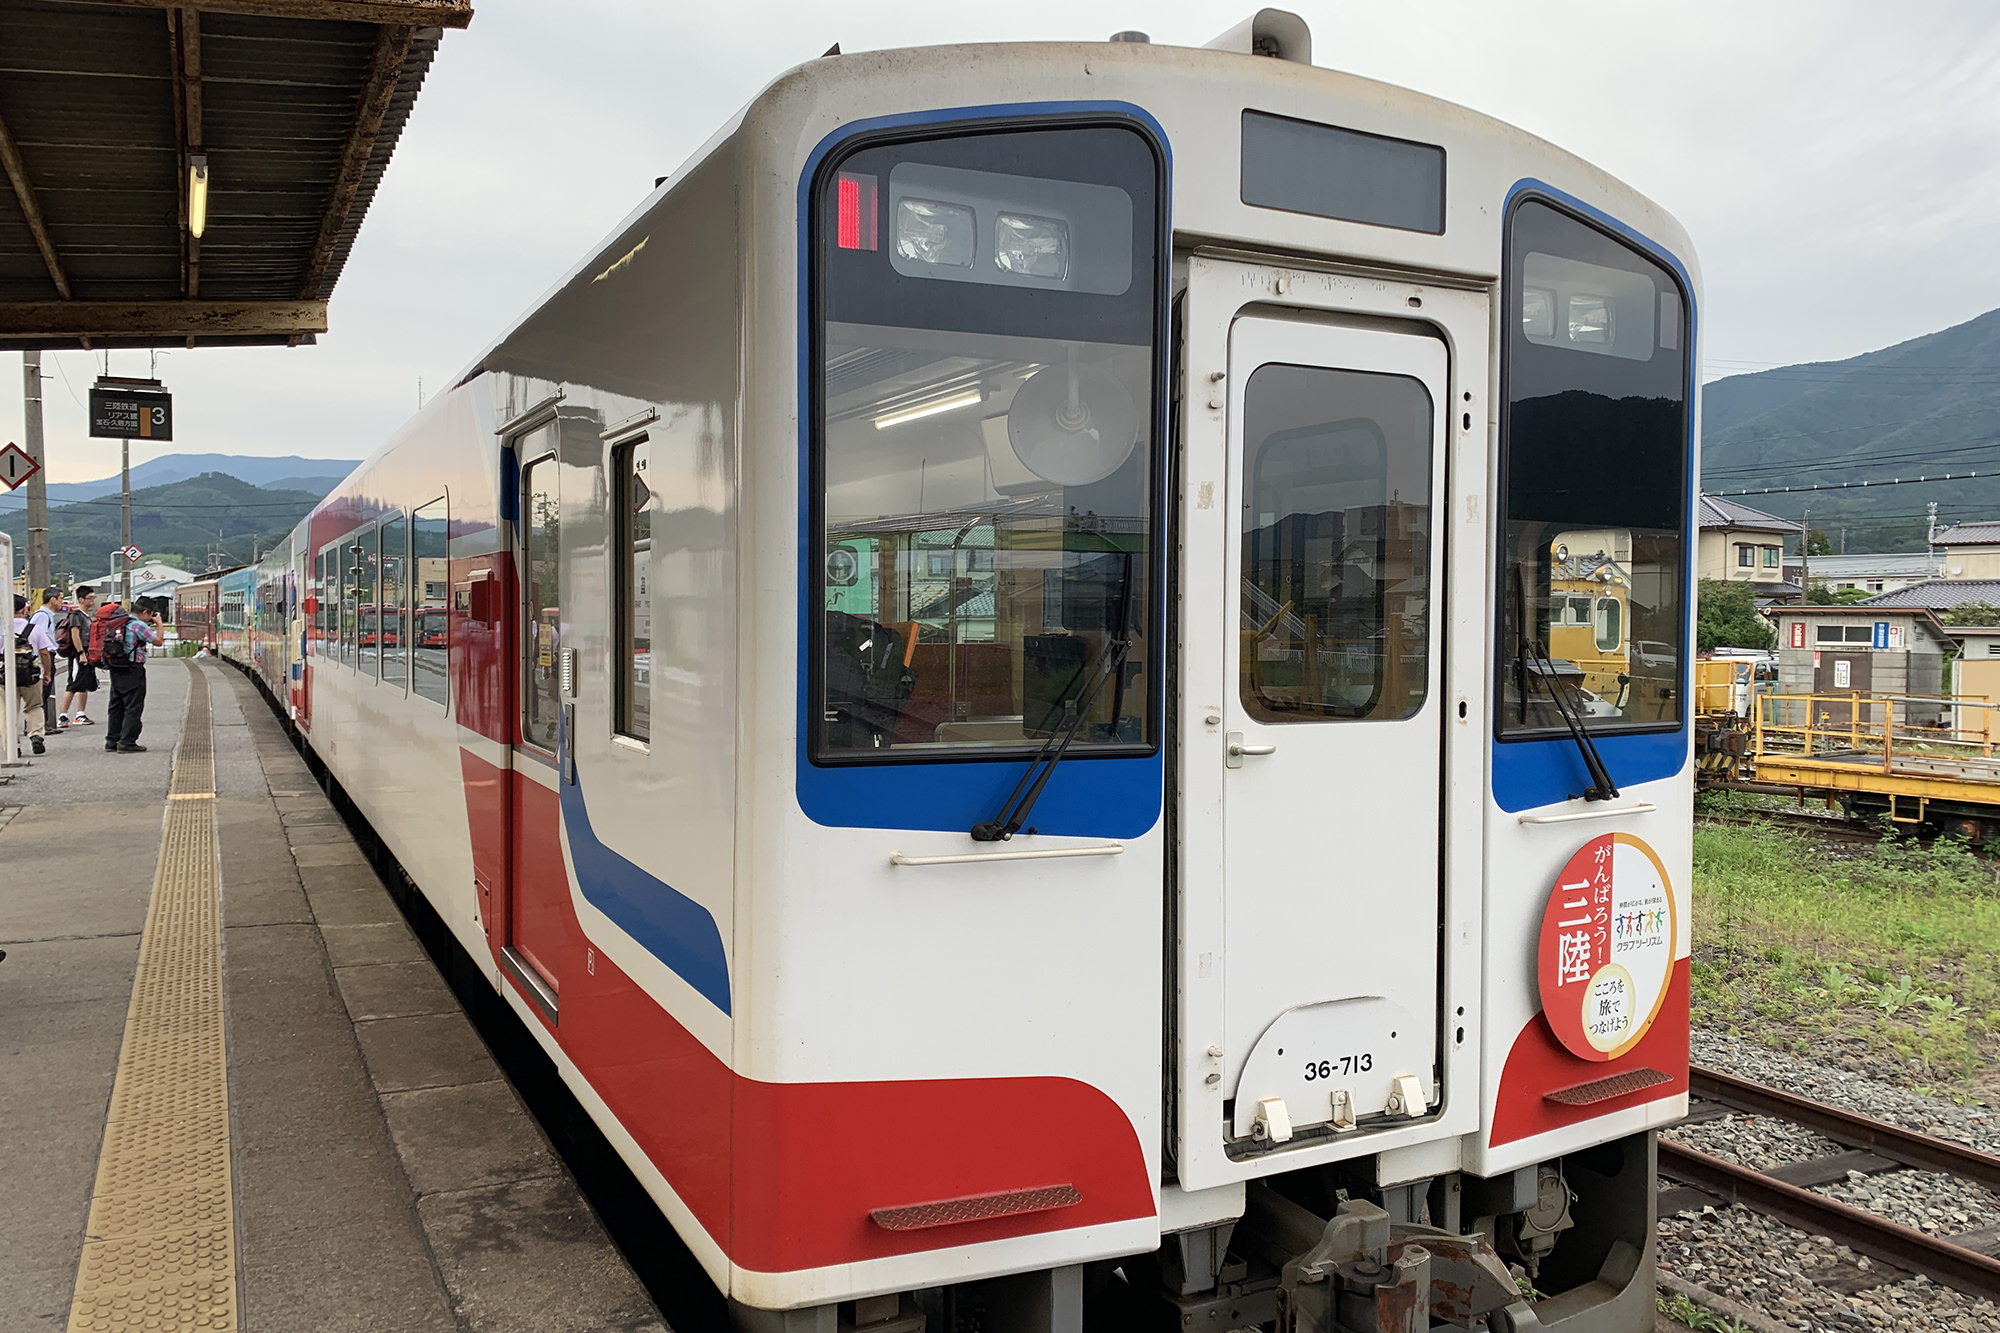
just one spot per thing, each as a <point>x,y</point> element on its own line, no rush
<point>1886,959</point>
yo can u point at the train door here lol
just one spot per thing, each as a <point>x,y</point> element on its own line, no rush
<point>537,882</point>
<point>1312,884</point>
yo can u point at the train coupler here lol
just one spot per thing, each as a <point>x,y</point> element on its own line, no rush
<point>1370,1275</point>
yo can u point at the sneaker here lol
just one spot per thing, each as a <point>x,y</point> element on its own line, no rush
<point>131,749</point>
<point>83,720</point>
<point>111,749</point>
<point>62,719</point>
<point>40,748</point>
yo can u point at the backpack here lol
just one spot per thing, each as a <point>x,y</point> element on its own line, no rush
<point>27,663</point>
<point>108,647</point>
<point>74,625</point>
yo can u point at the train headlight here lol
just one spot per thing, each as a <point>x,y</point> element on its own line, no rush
<point>1031,246</point>
<point>934,233</point>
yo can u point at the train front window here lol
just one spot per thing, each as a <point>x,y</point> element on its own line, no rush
<point>985,464</point>
<point>1594,482</point>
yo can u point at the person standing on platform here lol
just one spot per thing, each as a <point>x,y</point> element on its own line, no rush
<point>73,646</point>
<point>48,618</point>
<point>118,642</point>
<point>33,658</point>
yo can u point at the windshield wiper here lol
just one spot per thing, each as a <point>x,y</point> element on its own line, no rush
<point>1534,659</point>
<point>1110,662</point>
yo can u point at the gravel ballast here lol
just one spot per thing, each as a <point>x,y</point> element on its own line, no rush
<point>1795,1278</point>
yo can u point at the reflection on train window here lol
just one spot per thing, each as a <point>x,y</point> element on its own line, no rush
<point>392,625</point>
<point>352,567</point>
<point>1594,443</point>
<point>986,446</point>
<point>430,602</point>
<point>633,536</point>
<point>542,522</point>
<point>1336,544</point>
<point>368,617</point>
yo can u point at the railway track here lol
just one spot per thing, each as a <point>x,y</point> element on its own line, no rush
<point>1969,1262</point>
<point>1822,825</point>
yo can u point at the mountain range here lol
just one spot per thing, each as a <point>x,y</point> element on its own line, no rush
<point>181,522</point>
<point>289,473</point>
<point>1921,408</point>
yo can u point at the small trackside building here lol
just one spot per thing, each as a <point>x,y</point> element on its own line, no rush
<point>1862,650</point>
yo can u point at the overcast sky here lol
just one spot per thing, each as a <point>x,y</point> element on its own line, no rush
<point>1838,164</point>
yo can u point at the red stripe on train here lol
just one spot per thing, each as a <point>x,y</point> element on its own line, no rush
<point>785,1176</point>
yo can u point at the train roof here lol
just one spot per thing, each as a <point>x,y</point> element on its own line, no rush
<point>1197,94</point>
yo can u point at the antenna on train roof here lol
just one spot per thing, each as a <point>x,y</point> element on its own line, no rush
<point>1132,35</point>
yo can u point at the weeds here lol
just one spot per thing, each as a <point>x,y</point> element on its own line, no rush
<point>1685,1312</point>
<point>1893,955</point>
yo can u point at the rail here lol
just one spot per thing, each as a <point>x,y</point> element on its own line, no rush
<point>1961,1262</point>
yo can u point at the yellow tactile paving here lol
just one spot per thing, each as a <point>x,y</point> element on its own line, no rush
<point>159,1252</point>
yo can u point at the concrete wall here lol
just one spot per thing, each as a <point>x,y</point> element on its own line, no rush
<point>1972,562</point>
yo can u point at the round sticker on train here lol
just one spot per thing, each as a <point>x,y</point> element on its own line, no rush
<point>1607,946</point>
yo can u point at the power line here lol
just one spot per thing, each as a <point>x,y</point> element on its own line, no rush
<point>1861,485</point>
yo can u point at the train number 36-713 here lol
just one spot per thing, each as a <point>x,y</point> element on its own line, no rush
<point>1345,1064</point>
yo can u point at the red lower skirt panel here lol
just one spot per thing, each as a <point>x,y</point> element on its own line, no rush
<point>787,1176</point>
<point>1538,1083</point>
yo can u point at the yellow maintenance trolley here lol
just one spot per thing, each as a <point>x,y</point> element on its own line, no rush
<point>1870,755</point>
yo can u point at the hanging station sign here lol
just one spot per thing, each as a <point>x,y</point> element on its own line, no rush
<point>131,410</point>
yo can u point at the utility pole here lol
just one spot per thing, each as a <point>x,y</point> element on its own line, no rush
<point>38,484</point>
<point>125,522</point>
<point>1805,556</point>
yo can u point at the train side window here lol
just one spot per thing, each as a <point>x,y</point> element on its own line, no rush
<point>350,584</point>
<point>367,597</point>
<point>430,598</point>
<point>541,522</point>
<point>1336,559</point>
<point>392,619</point>
<point>632,535</point>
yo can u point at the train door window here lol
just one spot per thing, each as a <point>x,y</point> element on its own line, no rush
<point>1336,554</point>
<point>393,630</point>
<point>633,538</point>
<point>1595,366</point>
<point>430,602</point>
<point>368,596</point>
<point>541,525</point>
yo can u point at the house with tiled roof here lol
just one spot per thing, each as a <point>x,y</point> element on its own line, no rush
<point>1935,595</point>
<point>1870,573</point>
<point>1971,550</point>
<point>1740,544</point>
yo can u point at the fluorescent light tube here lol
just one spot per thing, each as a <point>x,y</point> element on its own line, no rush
<point>951,404</point>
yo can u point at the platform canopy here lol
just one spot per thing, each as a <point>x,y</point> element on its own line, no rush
<point>112,110</point>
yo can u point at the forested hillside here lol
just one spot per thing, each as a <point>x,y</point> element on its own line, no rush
<point>1924,407</point>
<point>178,522</point>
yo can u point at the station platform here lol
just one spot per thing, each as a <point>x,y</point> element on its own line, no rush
<point>235,1092</point>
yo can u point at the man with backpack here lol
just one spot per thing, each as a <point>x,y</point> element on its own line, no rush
<point>73,646</point>
<point>31,660</point>
<point>118,643</point>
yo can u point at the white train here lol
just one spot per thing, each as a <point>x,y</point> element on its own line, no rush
<point>996,677</point>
